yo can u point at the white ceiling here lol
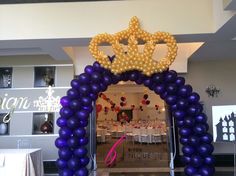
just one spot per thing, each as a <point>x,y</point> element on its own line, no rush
<point>218,45</point>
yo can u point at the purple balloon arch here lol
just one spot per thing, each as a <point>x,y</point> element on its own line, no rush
<point>183,102</point>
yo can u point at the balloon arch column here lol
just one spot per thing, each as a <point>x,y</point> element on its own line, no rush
<point>142,69</point>
<point>183,102</point>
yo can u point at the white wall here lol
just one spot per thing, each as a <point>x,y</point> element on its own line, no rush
<point>222,75</point>
<point>86,19</point>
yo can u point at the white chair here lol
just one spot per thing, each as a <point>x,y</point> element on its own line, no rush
<point>156,137</point>
<point>143,135</point>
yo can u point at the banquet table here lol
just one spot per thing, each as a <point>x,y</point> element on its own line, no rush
<point>21,162</point>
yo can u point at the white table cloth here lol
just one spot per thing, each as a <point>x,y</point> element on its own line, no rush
<point>21,162</point>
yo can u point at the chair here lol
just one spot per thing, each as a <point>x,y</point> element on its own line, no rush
<point>143,135</point>
<point>156,137</point>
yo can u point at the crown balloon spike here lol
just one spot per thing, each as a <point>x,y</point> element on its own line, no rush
<point>132,59</point>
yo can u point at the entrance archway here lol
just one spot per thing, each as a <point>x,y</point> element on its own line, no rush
<point>142,69</point>
<point>184,105</point>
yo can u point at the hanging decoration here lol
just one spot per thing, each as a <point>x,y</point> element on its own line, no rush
<point>123,101</point>
<point>114,107</point>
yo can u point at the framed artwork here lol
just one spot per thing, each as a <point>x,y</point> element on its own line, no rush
<point>43,123</point>
<point>125,115</point>
<point>224,123</point>
<point>5,77</point>
<point>44,76</point>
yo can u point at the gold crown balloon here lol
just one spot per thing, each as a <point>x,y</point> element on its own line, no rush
<point>132,59</point>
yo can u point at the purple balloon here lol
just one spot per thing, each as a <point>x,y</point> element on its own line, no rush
<point>82,114</point>
<point>61,122</point>
<point>180,81</point>
<point>185,91</point>
<point>73,164</point>
<point>163,95</point>
<point>133,76</point>
<point>96,77</point>
<point>106,80</point>
<point>196,160</point>
<point>84,89</point>
<point>201,118</point>
<point>171,99</point>
<point>93,96</point>
<point>61,143</point>
<point>206,138</point>
<point>72,93</point>
<point>182,104</point>
<point>199,129</point>
<point>184,140</point>
<point>158,89</point>
<point>179,114</point>
<point>86,101</point>
<point>84,161</point>
<point>81,172</point>
<point>103,87</point>
<point>171,89</point>
<point>97,66</point>
<point>194,140</point>
<point>205,149</point>
<point>193,98</point>
<point>89,108</point>
<point>73,142</point>
<point>83,141</point>
<point>65,132</point>
<point>186,159</point>
<point>173,107</point>
<point>209,160</point>
<point>84,78</point>
<point>125,76</point>
<point>190,170</point>
<point>65,153</point>
<point>194,110</point>
<point>157,78</point>
<point>89,69</point>
<point>180,123</point>
<point>95,88</point>
<point>83,123</point>
<point>80,152</point>
<point>65,101</point>
<point>73,122</point>
<point>188,150</point>
<point>206,171</point>
<point>66,112</point>
<point>61,164</point>
<point>66,172</point>
<point>75,83</point>
<point>147,82</point>
<point>80,132</point>
<point>170,76</point>
<point>185,132</point>
<point>189,122</point>
<point>75,104</point>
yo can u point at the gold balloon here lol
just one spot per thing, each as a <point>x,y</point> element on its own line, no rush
<point>132,59</point>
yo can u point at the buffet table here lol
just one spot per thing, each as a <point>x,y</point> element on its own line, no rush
<point>21,162</point>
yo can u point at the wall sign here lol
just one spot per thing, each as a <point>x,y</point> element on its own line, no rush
<point>31,100</point>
